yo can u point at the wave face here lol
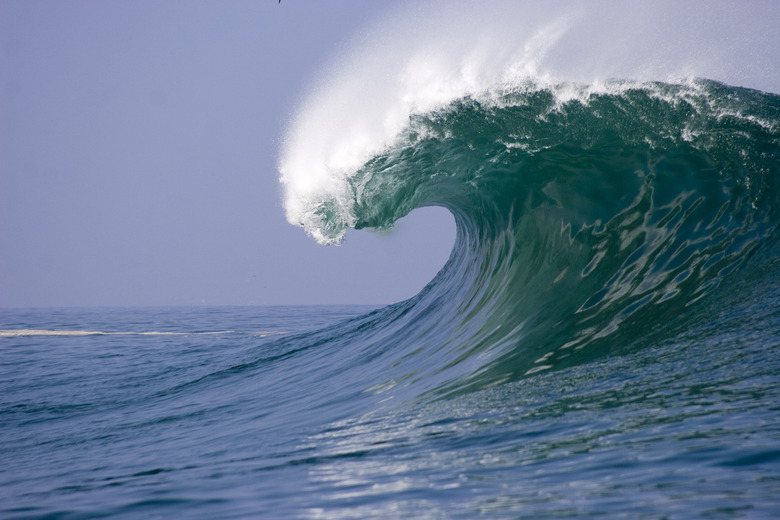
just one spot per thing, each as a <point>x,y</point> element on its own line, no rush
<point>593,216</point>
<point>588,222</point>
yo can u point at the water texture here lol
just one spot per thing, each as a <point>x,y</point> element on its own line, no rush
<point>602,342</point>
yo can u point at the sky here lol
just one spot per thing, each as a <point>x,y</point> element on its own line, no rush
<point>138,158</point>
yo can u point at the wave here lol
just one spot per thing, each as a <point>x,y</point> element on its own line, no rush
<point>592,217</point>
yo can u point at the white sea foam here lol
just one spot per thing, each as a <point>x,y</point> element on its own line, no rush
<point>15,333</point>
<point>424,57</point>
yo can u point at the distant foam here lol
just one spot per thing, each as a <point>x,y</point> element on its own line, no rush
<point>15,333</point>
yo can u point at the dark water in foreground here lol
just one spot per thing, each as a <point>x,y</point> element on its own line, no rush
<point>227,413</point>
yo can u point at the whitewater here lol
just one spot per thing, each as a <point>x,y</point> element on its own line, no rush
<point>602,342</point>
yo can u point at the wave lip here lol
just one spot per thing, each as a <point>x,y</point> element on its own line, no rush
<point>525,120</point>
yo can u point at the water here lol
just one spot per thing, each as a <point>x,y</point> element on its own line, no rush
<point>235,413</point>
<point>602,342</point>
<point>149,419</point>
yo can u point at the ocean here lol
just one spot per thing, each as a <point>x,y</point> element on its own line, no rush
<point>603,341</point>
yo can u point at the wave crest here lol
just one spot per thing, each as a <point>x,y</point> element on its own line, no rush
<point>409,65</point>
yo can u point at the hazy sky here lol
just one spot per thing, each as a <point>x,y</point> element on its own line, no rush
<point>138,158</point>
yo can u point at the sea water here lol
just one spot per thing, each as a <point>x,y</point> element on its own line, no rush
<point>602,342</point>
<point>240,412</point>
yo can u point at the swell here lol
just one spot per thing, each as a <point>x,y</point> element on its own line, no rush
<point>590,220</point>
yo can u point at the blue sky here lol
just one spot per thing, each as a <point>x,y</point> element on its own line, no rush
<point>138,158</point>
